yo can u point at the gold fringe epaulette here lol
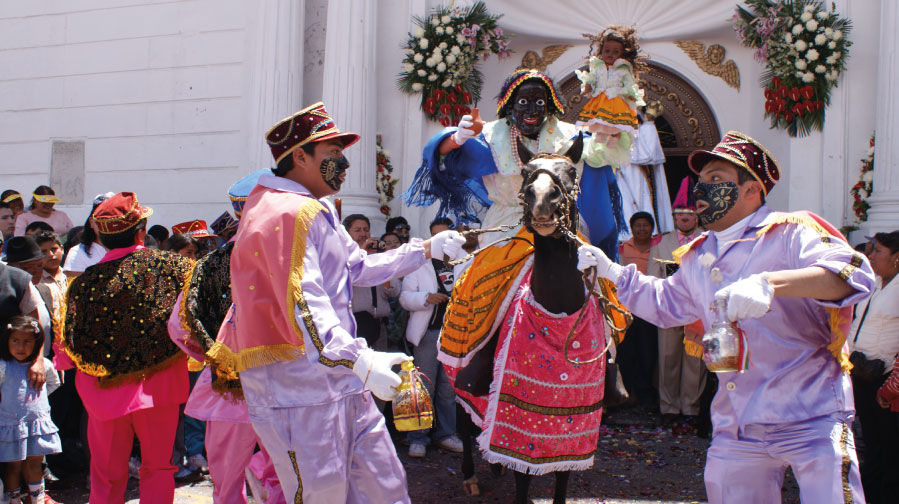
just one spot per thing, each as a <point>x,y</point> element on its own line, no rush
<point>306,214</point>
<point>792,218</point>
<point>679,252</point>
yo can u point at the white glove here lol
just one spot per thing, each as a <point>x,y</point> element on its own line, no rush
<point>747,298</point>
<point>589,256</point>
<point>464,132</point>
<point>373,368</point>
<point>447,243</point>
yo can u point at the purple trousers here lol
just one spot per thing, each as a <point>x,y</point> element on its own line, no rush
<point>750,467</point>
<point>334,453</point>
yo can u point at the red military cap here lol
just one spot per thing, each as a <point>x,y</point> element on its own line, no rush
<point>312,124</point>
<point>119,213</point>
<point>194,228</point>
<point>743,151</point>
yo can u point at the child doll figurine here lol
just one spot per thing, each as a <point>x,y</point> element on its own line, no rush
<point>609,82</point>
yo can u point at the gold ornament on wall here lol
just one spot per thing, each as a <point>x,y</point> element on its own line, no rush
<point>711,61</point>
<point>539,62</point>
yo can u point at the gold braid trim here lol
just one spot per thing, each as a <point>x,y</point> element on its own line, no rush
<point>224,357</point>
<point>836,343</point>
<point>182,312</point>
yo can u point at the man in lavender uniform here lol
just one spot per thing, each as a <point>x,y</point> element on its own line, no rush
<point>303,371</point>
<point>781,276</point>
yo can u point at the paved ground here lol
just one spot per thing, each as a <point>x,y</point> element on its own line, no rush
<point>636,462</point>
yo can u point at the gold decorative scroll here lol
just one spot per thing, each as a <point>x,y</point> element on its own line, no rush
<point>711,61</point>
<point>539,62</point>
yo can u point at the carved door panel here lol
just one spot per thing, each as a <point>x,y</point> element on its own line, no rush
<point>686,124</point>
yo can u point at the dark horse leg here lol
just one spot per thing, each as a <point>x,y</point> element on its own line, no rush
<point>561,487</point>
<point>465,427</point>
<point>522,483</point>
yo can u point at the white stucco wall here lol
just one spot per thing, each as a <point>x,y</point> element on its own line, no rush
<point>158,91</point>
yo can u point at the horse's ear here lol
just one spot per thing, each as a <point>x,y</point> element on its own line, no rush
<point>577,148</point>
<point>523,153</point>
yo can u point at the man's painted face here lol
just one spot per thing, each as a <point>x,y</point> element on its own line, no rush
<point>717,191</point>
<point>333,169</point>
<point>529,108</point>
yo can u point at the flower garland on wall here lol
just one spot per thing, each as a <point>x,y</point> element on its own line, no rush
<point>804,47</point>
<point>385,182</point>
<point>862,189</point>
<point>441,59</point>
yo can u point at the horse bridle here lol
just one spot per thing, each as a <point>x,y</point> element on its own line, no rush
<point>565,226</point>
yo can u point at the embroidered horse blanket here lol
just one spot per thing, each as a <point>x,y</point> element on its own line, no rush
<point>544,409</point>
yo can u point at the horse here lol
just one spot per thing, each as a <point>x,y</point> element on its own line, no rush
<point>555,288</point>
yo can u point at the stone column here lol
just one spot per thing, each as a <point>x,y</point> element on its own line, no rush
<point>884,212</point>
<point>349,92</point>
<point>275,62</point>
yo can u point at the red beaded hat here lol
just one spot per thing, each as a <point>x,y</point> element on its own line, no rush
<point>195,228</point>
<point>119,213</point>
<point>312,124</point>
<point>744,152</point>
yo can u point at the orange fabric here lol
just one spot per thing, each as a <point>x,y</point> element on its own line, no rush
<point>630,254</point>
<point>478,294</point>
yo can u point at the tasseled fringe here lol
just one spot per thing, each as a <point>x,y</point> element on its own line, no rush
<point>223,357</point>
<point>838,339</point>
<point>107,381</point>
<point>229,389</point>
<point>521,466</point>
<point>679,252</point>
<point>618,208</point>
<point>790,218</point>
<point>306,214</point>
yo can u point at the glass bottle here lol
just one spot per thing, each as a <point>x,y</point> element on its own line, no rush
<point>412,408</point>
<point>721,343</point>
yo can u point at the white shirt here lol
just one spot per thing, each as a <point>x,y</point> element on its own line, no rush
<point>78,260</point>
<point>879,334</point>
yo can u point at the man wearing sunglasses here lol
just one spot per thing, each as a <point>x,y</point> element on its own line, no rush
<point>400,227</point>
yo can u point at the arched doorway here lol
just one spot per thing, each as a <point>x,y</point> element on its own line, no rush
<point>686,124</point>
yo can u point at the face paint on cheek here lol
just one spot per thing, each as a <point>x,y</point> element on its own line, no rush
<point>721,198</point>
<point>331,170</point>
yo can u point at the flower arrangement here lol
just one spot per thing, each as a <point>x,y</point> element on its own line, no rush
<point>804,47</point>
<point>385,182</point>
<point>862,189</point>
<point>442,55</point>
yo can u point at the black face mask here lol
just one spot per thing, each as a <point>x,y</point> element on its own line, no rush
<point>331,170</point>
<point>721,199</point>
<point>529,108</point>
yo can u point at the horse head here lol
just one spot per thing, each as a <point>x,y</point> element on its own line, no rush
<point>549,190</point>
